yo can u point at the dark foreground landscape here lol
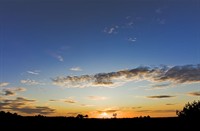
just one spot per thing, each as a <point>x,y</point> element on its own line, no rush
<point>188,119</point>
<point>96,124</point>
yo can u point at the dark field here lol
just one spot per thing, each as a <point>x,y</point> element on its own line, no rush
<point>56,123</point>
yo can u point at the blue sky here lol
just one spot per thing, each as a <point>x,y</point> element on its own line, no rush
<point>43,40</point>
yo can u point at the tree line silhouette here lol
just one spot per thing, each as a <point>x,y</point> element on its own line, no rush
<point>188,118</point>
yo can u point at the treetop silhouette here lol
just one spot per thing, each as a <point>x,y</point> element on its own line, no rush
<point>190,111</point>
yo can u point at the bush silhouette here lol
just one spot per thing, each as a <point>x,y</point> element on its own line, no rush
<point>80,116</point>
<point>190,111</point>
<point>4,115</point>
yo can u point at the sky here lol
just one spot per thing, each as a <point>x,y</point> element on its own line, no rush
<point>99,57</point>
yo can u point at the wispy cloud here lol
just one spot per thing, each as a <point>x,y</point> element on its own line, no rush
<point>130,23</point>
<point>3,84</point>
<point>35,72</point>
<point>24,105</point>
<point>12,91</point>
<point>161,86</point>
<point>111,30</point>
<point>128,17</point>
<point>137,107</point>
<point>170,104</point>
<point>157,111</point>
<point>158,11</point>
<point>59,57</point>
<point>160,96</point>
<point>73,114</point>
<point>56,55</point>
<point>31,82</point>
<point>70,101</point>
<point>66,100</point>
<point>176,75</point>
<point>161,21</point>
<point>97,97</point>
<point>75,69</point>
<point>132,39</point>
<point>108,110</point>
<point>86,105</point>
<point>197,93</point>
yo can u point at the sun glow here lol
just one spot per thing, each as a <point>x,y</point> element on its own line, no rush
<point>104,115</point>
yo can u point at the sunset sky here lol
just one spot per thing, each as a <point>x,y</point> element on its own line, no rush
<point>99,57</point>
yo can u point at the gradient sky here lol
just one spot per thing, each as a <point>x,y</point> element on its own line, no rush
<point>99,57</point>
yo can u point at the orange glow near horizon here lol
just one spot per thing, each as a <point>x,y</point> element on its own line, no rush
<point>104,115</point>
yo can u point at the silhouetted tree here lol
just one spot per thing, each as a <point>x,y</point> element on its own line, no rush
<point>4,114</point>
<point>40,116</point>
<point>147,117</point>
<point>80,116</point>
<point>190,111</point>
<point>115,115</point>
<point>86,116</point>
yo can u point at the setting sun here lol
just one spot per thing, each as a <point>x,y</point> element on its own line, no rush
<point>104,115</point>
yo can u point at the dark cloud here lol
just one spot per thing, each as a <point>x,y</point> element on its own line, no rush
<point>67,100</point>
<point>12,91</point>
<point>15,103</point>
<point>194,93</point>
<point>108,111</point>
<point>73,114</point>
<point>111,111</point>
<point>161,86</point>
<point>164,111</point>
<point>136,107</point>
<point>156,111</point>
<point>160,96</point>
<point>182,74</point>
<point>70,101</point>
<point>52,100</point>
<point>170,104</point>
<point>34,110</point>
<point>8,93</point>
<point>23,105</point>
<point>176,74</point>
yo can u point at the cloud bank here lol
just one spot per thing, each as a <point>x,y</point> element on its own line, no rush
<point>176,75</point>
<point>23,105</point>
